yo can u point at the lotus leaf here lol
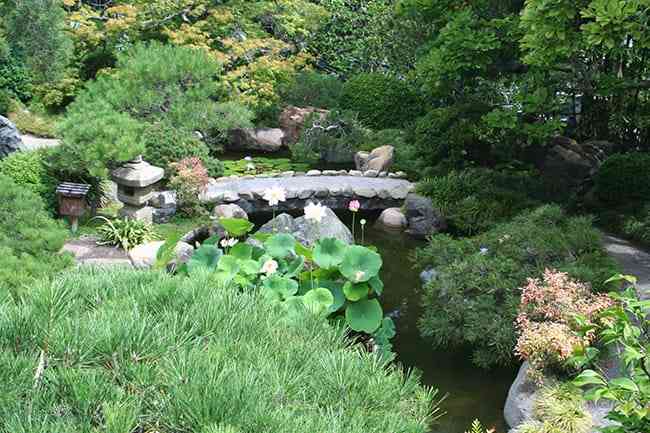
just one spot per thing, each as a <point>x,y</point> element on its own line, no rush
<point>328,253</point>
<point>364,316</point>
<point>360,264</point>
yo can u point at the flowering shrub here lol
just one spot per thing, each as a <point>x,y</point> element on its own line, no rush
<point>189,179</point>
<point>550,313</point>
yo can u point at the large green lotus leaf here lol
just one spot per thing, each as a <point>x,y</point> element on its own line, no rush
<point>241,251</point>
<point>336,289</point>
<point>229,265</point>
<point>257,253</point>
<point>236,226</point>
<point>250,267</point>
<point>212,240</point>
<point>302,250</point>
<point>295,266</point>
<point>364,316</point>
<point>360,264</point>
<point>206,256</point>
<point>328,253</point>
<point>318,300</point>
<point>377,285</point>
<point>282,286</point>
<point>262,236</point>
<point>355,292</point>
<point>280,245</point>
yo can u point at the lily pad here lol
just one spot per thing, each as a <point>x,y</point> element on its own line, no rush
<point>318,300</point>
<point>241,251</point>
<point>229,265</point>
<point>282,286</point>
<point>295,266</point>
<point>280,245</point>
<point>206,256</point>
<point>236,226</point>
<point>377,285</point>
<point>328,253</point>
<point>360,264</point>
<point>364,316</point>
<point>356,292</point>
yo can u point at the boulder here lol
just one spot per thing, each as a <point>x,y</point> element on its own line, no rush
<point>524,391</point>
<point>380,159</point>
<point>423,219</point>
<point>292,120</point>
<point>164,200</point>
<point>259,139</point>
<point>10,140</point>
<point>569,163</point>
<point>392,218</point>
<point>144,256</point>
<point>229,211</point>
<point>308,232</point>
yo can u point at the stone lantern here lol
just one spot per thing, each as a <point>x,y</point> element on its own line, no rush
<point>135,187</point>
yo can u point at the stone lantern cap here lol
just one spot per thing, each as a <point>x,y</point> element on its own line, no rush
<point>137,174</point>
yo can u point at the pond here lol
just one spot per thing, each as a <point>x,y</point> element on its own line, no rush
<point>471,392</point>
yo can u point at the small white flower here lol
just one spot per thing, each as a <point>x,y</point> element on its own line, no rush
<point>250,166</point>
<point>359,275</point>
<point>275,195</point>
<point>248,158</point>
<point>484,251</point>
<point>270,267</point>
<point>315,212</point>
<point>362,222</point>
<point>225,243</point>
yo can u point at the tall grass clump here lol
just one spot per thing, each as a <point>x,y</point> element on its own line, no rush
<point>124,350</point>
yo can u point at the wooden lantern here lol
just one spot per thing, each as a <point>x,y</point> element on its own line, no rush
<point>72,201</point>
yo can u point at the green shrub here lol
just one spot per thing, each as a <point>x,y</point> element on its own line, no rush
<point>475,200</point>
<point>166,144</point>
<point>474,299</point>
<point>382,101</point>
<point>125,233</point>
<point>144,351</point>
<point>334,139</point>
<point>29,170</point>
<point>29,238</point>
<point>313,89</point>
<point>29,121</point>
<point>152,84</point>
<point>637,225</point>
<point>5,102</point>
<point>624,178</point>
<point>558,409</point>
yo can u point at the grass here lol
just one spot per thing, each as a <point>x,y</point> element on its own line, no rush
<point>129,350</point>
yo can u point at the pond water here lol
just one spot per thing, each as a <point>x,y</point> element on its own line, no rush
<point>470,392</point>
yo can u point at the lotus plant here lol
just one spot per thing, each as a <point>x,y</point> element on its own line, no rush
<point>315,212</point>
<point>354,206</point>
<point>274,196</point>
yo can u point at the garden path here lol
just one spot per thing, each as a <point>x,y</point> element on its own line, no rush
<point>632,259</point>
<point>86,252</point>
<point>31,142</point>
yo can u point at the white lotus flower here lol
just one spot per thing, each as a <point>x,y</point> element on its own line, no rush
<point>248,158</point>
<point>228,243</point>
<point>362,222</point>
<point>274,195</point>
<point>315,212</point>
<point>270,267</point>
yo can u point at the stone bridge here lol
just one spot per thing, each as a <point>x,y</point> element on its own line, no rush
<point>375,191</point>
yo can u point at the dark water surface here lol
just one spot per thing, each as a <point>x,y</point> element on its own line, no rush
<point>471,392</point>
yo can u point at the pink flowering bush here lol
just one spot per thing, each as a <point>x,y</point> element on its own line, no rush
<point>189,179</point>
<point>547,320</point>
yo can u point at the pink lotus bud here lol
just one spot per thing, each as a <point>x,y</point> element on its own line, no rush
<point>354,206</point>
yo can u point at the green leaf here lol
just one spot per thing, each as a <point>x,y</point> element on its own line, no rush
<point>360,264</point>
<point>364,316</point>
<point>377,285</point>
<point>328,253</point>
<point>355,292</point>
<point>242,251</point>
<point>295,266</point>
<point>318,300</point>
<point>302,250</point>
<point>167,251</point>
<point>281,286</point>
<point>212,240</point>
<point>625,383</point>
<point>588,377</point>
<point>250,267</point>
<point>280,245</point>
<point>206,256</point>
<point>236,226</point>
<point>229,265</point>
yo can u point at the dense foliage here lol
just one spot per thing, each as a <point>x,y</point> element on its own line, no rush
<point>624,179</point>
<point>624,326</point>
<point>125,233</point>
<point>152,84</point>
<point>29,239</point>
<point>29,170</point>
<point>131,350</point>
<point>474,297</point>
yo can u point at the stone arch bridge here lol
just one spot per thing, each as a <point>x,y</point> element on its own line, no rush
<point>334,189</point>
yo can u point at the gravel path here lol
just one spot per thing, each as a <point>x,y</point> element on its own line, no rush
<point>31,142</point>
<point>632,259</point>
